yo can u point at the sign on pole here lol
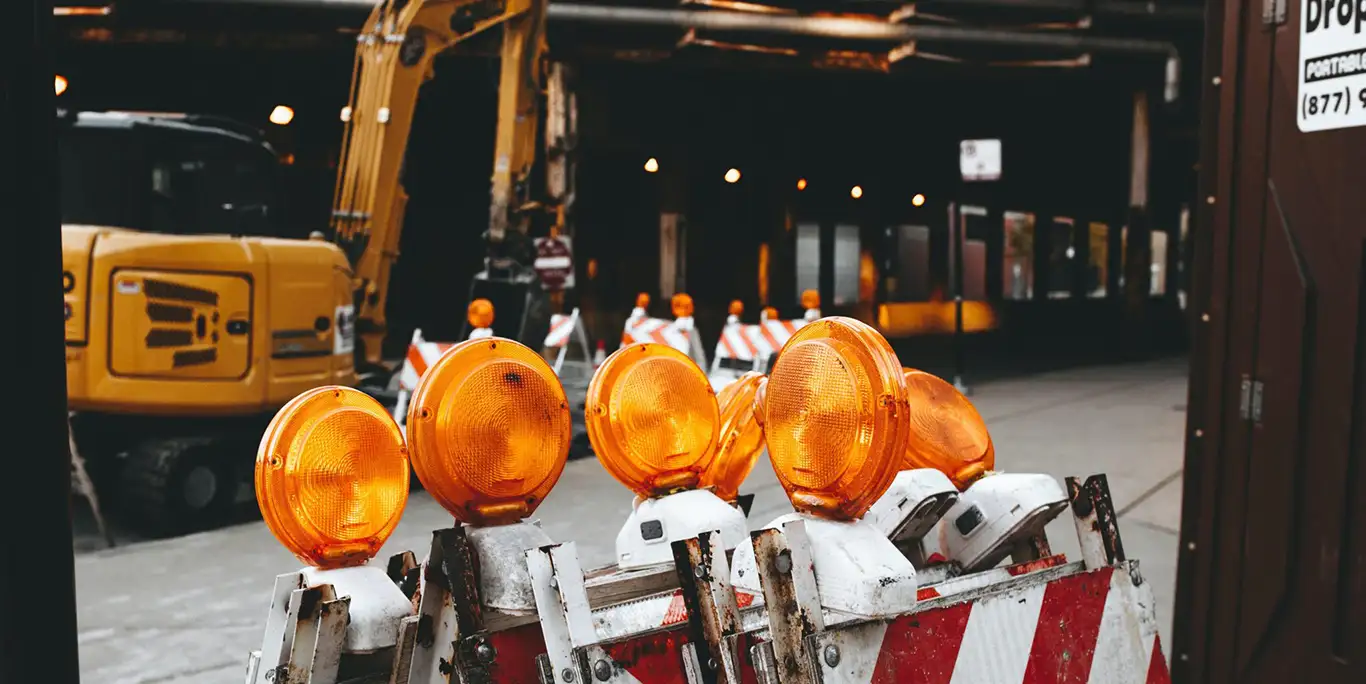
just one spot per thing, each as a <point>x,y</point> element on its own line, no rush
<point>980,160</point>
<point>1332,66</point>
<point>555,263</point>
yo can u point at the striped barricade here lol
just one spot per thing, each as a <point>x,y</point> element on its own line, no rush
<point>563,329</point>
<point>679,334</point>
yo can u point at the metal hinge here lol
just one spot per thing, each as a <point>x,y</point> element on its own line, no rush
<point>1250,399</point>
<point>1273,12</point>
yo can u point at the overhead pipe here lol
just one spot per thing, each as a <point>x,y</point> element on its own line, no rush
<point>840,28</point>
<point>1117,8</point>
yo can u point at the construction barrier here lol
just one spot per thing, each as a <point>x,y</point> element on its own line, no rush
<point>565,328</point>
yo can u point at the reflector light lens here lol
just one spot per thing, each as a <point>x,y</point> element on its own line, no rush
<point>652,418</point>
<point>480,313</point>
<point>834,417</point>
<point>737,308</point>
<point>643,300</point>
<point>489,428</point>
<point>811,299</point>
<point>947,432</point>
<point>759,393</point>
<point>741,437</point>
<point>771,313</point>
<point>681,305</point>
<point>332,476</point>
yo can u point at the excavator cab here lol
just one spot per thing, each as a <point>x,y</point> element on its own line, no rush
<point>188,319</point>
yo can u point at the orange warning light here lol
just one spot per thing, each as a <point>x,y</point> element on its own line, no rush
<point>642,301</point>
<point>652,418</point>
<point>811,299</point>
<point>737,308</point>
<point>760,391</point>
<point>480,313</point>
<point>834,417</point>
<point>681,305</point>
<point>947,432</point>
<point>489,428</point>
<point>740,440</point>
<point>771,313</point>
<point>332,476</point>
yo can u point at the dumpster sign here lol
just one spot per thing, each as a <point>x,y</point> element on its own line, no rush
<point>1332,66</point>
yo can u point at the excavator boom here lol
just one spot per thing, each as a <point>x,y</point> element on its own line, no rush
<point>395,53</point>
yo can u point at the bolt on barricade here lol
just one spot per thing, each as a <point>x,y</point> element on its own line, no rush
<point>891,567</point>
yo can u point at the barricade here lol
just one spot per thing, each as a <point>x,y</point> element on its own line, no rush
<point>564,329</point>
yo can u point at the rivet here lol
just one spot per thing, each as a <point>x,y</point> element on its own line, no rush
<point>832,655</point>
<point>567,675</point>
<point>602,670</point>
<point>697,572</point>
<point>485,653</point>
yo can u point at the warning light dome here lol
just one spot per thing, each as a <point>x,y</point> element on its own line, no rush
<point>681,305</point>
<point>489,430</point>
<point>947,432</point>
<point>652,418</point>
<point>760,392</point>
<point>834,417</point>
<point>736,308</point>
<point>643,300</point>
<point>741,437</point>
<point>332,476</point>
<point>771,313</point>
<point>480,313</point>
<point>811,299</point>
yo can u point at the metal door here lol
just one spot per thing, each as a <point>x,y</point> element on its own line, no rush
<point>1272,575</point>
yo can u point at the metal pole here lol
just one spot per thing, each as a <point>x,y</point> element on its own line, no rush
<point>37,591</point>
<point>956,285</point>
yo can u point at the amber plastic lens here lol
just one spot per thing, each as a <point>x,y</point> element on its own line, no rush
<point>760,392</point>
<point>947,432</point>
<point>811,299</point>
<point>834,417</point>
<point>682,305</point>
<point>480,313</point>
<point>740,440</point>
<point>737,308</point>
<point>332,476</point>
<point>489,429</point>
<point>643,301</point>
<point>652,418</point>
<point>771,313</point>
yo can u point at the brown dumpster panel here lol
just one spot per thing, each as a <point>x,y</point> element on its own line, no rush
<point>1272,576</point>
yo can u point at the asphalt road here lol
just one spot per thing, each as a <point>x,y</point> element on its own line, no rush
<point>190,609</point>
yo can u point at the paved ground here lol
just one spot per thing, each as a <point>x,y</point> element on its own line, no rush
<point>189,609</point>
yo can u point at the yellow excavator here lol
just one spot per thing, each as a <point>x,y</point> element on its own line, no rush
<point>188,325</point>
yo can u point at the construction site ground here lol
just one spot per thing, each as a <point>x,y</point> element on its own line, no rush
<point>189,609</point>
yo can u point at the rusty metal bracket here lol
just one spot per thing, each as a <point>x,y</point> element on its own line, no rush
<point>787,574</point>
<point>448,609</point>
<point>406,572</point>
<point>566,618</point>
<point>1096,521</point>
<point>304,634</point>
<point>713,614</point>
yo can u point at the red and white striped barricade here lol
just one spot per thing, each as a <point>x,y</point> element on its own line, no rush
<point>679,334</point>
<point>565,328</point>
<point>421,355</point>
<point>744,347</point>
<point>1041,619</point>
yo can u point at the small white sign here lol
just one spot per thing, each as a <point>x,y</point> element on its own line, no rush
<point>980,160</point>
<point>1332,66</point>
<point>344,337</point>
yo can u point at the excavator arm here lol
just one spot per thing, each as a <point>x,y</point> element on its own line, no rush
<point>395,52</point>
